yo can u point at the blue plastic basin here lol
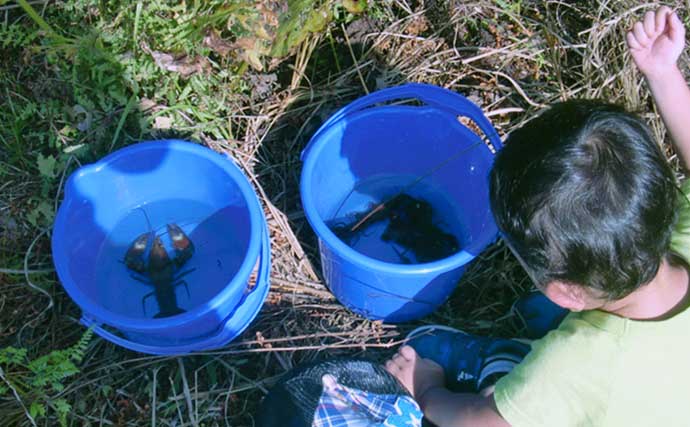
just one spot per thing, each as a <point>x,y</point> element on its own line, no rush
<point>368,141</point>
<point>150,184</point>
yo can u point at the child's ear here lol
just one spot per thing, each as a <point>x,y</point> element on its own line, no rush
<point>570,296</point>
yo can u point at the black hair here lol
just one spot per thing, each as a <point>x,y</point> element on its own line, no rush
<point>293,400</point>
<point>585,196</point>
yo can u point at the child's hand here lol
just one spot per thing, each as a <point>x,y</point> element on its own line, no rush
<point>416,374</point>
<point>657,42</point>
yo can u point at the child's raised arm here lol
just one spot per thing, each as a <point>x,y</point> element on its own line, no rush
<point>655,45</point>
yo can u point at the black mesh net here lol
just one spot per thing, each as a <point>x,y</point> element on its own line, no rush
<point>292,402</point>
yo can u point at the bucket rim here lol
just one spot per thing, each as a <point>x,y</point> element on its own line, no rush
<point>316,145</point>
<point>237,284</point>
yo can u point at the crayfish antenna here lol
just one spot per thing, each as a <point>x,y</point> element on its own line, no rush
<point>184,248</point>
<point>134,258</point>
<point>148,221</point>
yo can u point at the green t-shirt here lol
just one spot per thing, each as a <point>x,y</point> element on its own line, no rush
<point>598,369</point>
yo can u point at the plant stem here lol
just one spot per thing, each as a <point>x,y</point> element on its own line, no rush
<point>40,21</point>
<point>16,396</point>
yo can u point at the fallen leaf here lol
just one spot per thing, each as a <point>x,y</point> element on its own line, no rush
<point>262,85</point>
<point>162,122</point>
<point>85,124</point>
<point>296,25</point>
<point>269,16</point>
<point>251,51</point>
<point>183,65</point>
<point>72,148</point>
<point>254,59</point>
<point>46,166</point>
<point>216,43</point>
<point>245,43</point>
<point>146,104</point>
<point>355,6</point>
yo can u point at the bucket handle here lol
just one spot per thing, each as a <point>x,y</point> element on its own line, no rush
<point>432,95</point>
<point>226,331</point>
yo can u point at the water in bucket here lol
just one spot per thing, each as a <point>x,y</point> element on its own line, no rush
<point>212,265</point>
<point>441,236</point>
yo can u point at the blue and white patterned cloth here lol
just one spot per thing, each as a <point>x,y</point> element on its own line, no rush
<point>341,406</point>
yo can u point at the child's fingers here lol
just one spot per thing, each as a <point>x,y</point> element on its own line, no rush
<point>648,24</point>
<point>660,19</point>
<point>399,359</point>
<point>640,35</point>
<point>407,352</point>
<point>392,367</point>
<point>632,41</point>
<point>676,30</point>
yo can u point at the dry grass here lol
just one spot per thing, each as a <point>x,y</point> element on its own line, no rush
<point>511,62</point>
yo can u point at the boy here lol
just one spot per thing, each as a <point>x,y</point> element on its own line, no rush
<point>587,202</point>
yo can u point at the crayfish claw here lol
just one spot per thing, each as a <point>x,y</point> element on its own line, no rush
<point>184,248</point>
<point>134,257</point>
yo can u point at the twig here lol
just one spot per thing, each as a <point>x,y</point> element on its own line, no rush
<point>121,123</point>
<point>308,347</point>
<point>369,215</point>
<point>187,394</point>
<point>154,394</point>
<point>14,6</point>
<point>489,52</point>
<point>62,180</point>
<point>309,288</point>
<point>502,111</point>
<point>227,398</point>
<point>16,396</point>
<point>14,271</point>
<point>354,59</point>
<point>517,87</point>
<point>28,280</point>
<point>38,19</point>
<point>179,412</point>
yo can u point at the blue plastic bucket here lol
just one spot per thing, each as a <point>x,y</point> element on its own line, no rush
<point>364,143</point>
<point>142,188</point>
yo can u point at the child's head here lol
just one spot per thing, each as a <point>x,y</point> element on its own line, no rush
<point>585,196</point>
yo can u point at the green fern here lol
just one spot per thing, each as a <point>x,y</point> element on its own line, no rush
<point>12,356</point>
<point>16,35</point>
<point>37,380</point>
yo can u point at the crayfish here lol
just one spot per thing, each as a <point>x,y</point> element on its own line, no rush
<point>161,272</point>
<point>410,225</point>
